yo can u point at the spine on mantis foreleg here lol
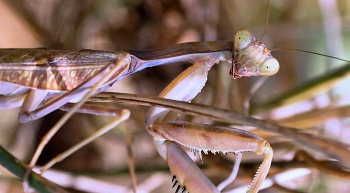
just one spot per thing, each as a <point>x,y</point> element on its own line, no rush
<point>187,174</point>
<point>201,137</point>
<point>263,169</point>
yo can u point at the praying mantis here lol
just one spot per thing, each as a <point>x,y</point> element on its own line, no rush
<point>32,79</point>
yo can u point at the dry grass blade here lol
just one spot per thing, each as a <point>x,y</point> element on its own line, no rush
<point>16,167</point>
<point>329,147</point>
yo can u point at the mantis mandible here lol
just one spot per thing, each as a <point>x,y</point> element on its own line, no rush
<point>41,80</point>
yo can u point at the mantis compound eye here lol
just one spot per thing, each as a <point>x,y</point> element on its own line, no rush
<point>269,67</point>
<point>242,39</point>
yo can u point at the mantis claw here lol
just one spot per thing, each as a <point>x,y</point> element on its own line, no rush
<point>262,170</point>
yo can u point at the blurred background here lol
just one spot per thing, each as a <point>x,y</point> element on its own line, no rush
<point>321,26</point>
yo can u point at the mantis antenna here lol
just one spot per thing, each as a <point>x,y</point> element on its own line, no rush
<point>267,19</point>
<point>315,53</point>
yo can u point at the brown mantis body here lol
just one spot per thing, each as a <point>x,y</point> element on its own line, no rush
<point>41,81</point>
<point>17,95</point>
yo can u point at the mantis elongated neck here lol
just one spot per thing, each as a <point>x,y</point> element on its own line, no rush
<point>182,53</point>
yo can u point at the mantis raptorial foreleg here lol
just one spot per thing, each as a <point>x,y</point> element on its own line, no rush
<point>199,137</point>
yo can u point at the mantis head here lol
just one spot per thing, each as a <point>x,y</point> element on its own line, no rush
<point>251,57</point>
